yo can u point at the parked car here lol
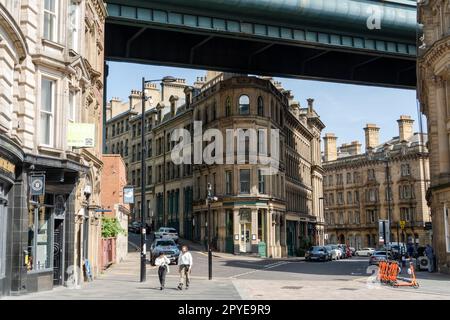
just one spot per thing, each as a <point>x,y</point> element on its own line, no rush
<point>343,249</point>
<point>318,253</point>
<point>168,246</point>
<point>366,252</point>
<point>378,256</point>
<point>348,252</point>
<point>353,250</point>
<point>134,227</point>
<point>397,249</point>
<point>165,232</point>
<point>335,251</point>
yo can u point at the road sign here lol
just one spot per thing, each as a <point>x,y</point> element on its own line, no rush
<point>128,195</point>
<point>402,224</point>
<point>384,231</point>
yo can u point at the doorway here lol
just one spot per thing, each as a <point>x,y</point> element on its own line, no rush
<point>245,244</point>
<point>58,252</point>
<point>291,237</point>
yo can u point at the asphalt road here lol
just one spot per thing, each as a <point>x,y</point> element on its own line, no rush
<point>239,267</point>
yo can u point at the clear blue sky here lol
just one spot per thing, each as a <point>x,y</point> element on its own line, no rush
<point>343,108</point>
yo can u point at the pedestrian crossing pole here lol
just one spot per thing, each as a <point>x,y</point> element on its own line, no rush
<point>209,199</point>
<point>208,243</point>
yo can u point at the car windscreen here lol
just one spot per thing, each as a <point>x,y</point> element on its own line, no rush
<point>165,243</point>
<point>317,249</point>
<point>380,253</point>
<point>172,230</point>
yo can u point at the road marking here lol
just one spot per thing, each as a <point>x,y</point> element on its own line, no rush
<point>269,266</point>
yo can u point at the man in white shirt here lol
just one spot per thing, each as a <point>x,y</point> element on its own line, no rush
<point>185,263</point>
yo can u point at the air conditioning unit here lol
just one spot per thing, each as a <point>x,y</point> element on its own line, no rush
<point>423,263</point>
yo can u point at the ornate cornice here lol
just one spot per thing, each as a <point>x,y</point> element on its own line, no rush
<point>436,51</point>
<point>100,9</point>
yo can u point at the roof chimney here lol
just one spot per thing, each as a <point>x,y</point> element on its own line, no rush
<point>352,149</point>
<point>330,147</point>
<point>372,135</point>
<point>405,127</point>
<point>135,99</point>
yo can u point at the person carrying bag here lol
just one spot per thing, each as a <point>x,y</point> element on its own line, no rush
<point>163,263</point>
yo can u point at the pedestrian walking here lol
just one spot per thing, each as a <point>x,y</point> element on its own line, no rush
<point>404,262</point>
<point>429,252</point>
<point>410,250</point>
<point>163,263</point>
<point>185,266</point>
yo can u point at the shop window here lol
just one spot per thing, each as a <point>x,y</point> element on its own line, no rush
<point>447,228</point>
<point>3,221</point>
<point>40,236</point>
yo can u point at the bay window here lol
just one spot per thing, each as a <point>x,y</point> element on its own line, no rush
<point>244,179</point>
<point>261,182</point>
<point>50,20</point>
<point>47,110</point>
<point>228,182</point>
<point>72,107</point>
<point>244,104</point>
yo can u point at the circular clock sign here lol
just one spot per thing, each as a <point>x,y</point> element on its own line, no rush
<point>37,185</point>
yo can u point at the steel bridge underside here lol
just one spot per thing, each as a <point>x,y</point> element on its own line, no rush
<point>189,37</point>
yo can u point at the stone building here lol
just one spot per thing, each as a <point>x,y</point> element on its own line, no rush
<point>114,179</point>
<point>280,210</point>
<point>434,94</point>
<point>356,187</point>
<point>51,74</point>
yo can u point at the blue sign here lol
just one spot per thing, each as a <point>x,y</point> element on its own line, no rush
<point>128,195</point>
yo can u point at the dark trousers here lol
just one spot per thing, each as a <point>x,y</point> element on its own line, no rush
<point>162,271</point>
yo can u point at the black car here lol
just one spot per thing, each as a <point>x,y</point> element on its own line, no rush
<point>135,227</point>
<point>318,253</point>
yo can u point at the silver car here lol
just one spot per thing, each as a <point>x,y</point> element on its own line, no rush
<point>378,256</point>
<point>335,252</point>
<point>168,246</point>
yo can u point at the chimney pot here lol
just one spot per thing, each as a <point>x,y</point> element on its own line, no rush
<point>330,147</point>
<point>405,127</point>
<point>372,136</point>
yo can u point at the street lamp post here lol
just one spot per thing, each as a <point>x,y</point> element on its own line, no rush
<point>209,199</point>
<point>144,98</point>
<point>388,235</point>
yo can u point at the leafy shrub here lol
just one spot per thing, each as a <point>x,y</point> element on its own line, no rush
<point>111,228</point>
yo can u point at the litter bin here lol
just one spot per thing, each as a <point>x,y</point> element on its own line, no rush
<point>262,249</point>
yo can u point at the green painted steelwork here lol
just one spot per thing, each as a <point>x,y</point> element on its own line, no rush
<point>328,23</point>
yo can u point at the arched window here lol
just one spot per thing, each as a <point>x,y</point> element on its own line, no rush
<point>244,104</point>
<point>228,107</point>
<point>260,106</point>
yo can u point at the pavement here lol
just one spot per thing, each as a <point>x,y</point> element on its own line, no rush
<point>249,278</point>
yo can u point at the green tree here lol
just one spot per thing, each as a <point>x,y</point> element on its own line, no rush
<point>111,228</point>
